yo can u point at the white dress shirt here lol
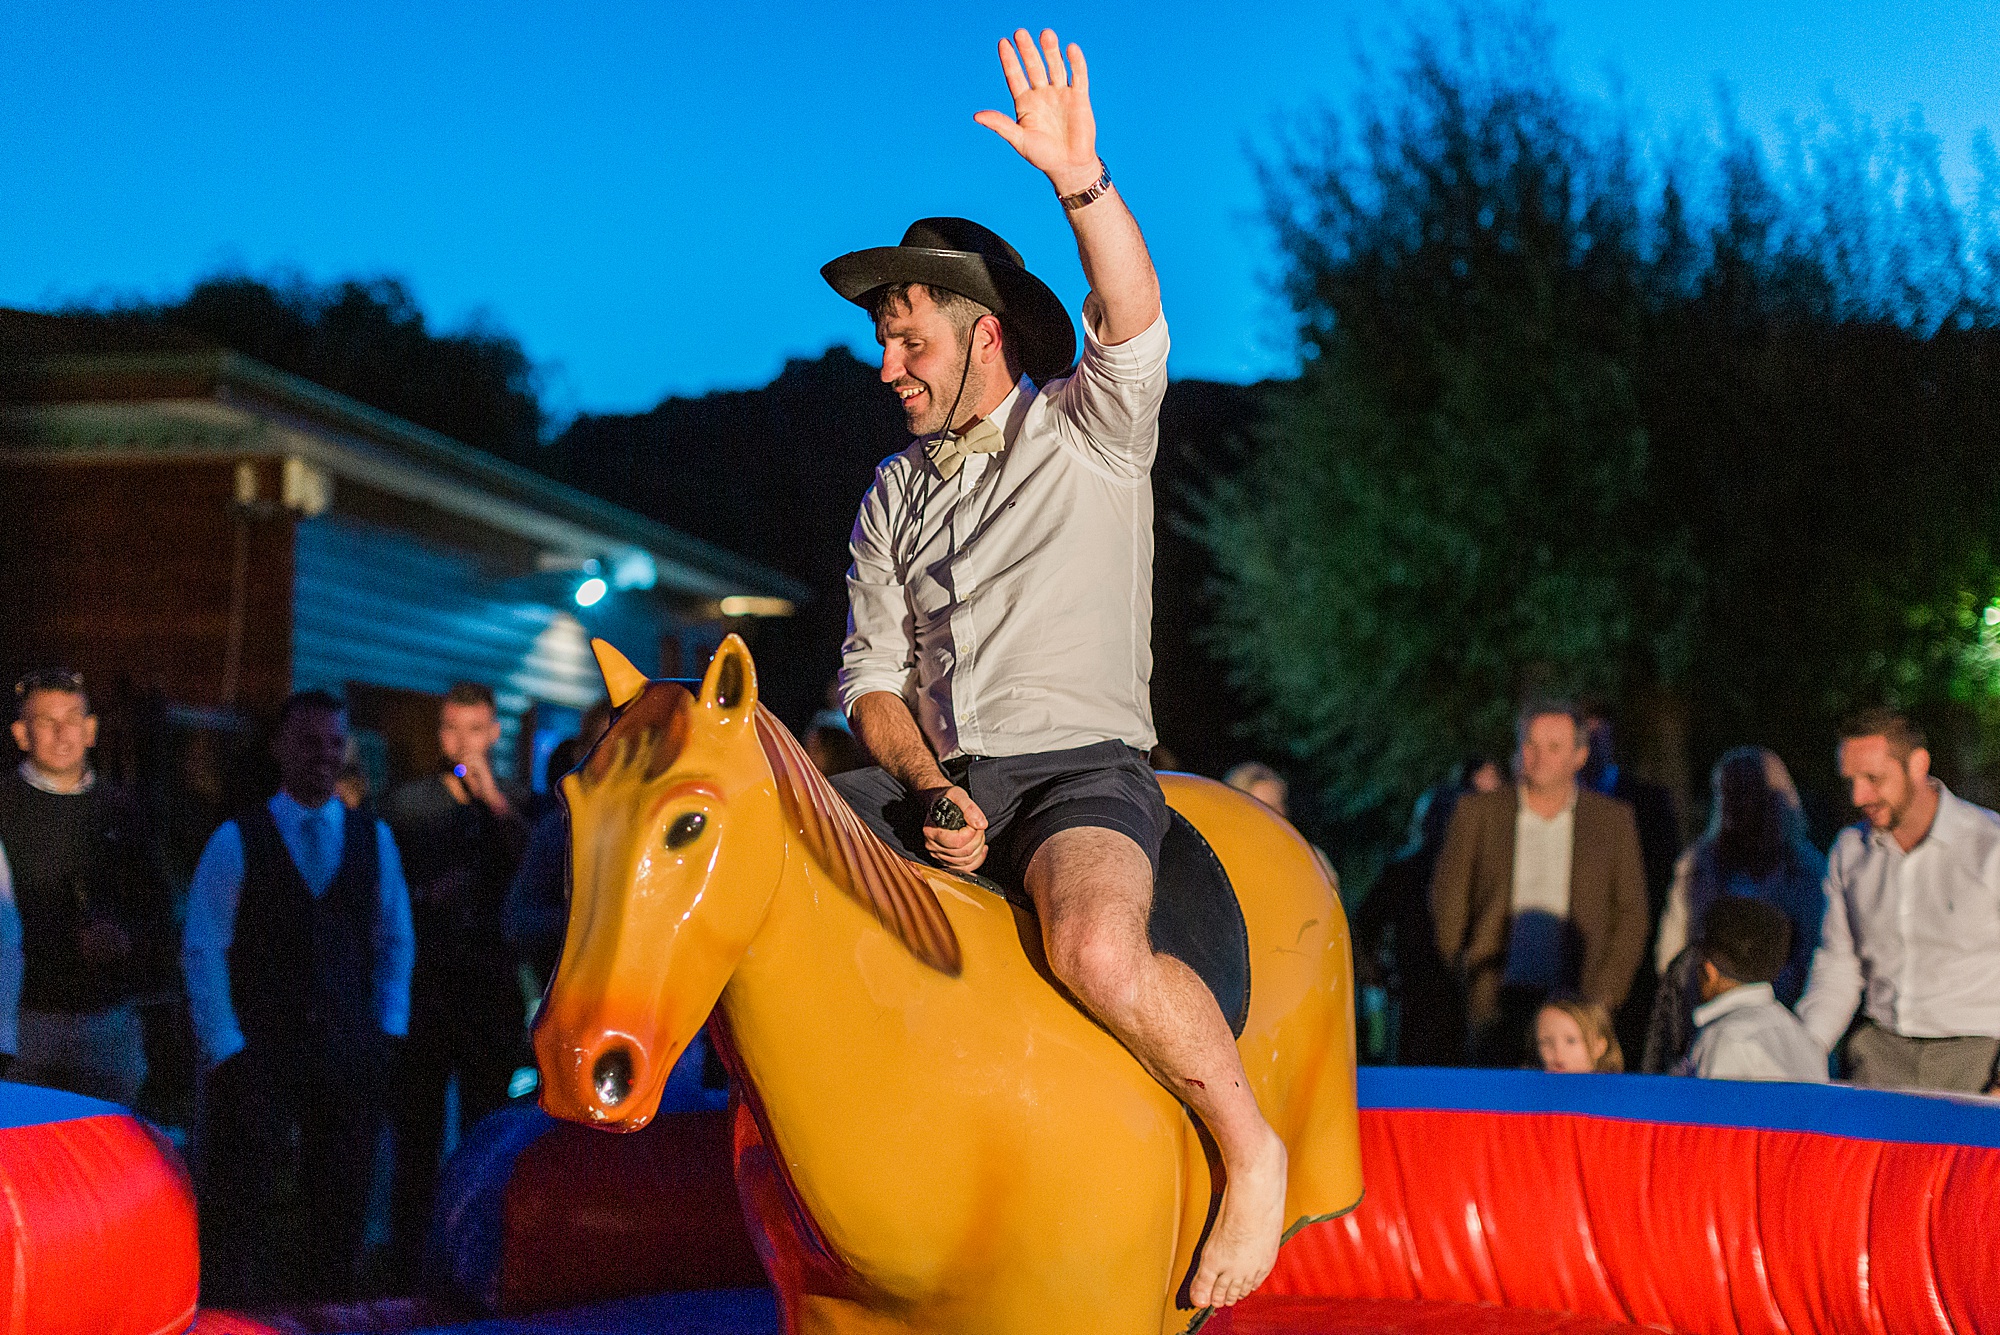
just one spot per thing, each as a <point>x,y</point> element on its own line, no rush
<point>1543,848</point>
<point>314,839</point>
<point>1012,606</point>
<point>1913,938</point>
<point>1747,1034</point>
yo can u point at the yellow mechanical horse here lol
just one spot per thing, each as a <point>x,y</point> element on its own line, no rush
<point>931,1136</point>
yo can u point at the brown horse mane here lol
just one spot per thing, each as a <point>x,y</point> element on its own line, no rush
<point>854,856</point>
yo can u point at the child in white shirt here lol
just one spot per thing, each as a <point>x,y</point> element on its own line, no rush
<point>1743,1032</point>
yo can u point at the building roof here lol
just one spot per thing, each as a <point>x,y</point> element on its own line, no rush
<point>175,397</point>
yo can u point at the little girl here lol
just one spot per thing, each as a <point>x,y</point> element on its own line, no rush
<point>1574,1037</point>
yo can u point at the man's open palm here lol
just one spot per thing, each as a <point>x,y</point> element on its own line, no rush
<point>1052,125</point>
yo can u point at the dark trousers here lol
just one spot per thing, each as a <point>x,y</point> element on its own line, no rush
<point>285,1151</point>
<point>466,1020</point>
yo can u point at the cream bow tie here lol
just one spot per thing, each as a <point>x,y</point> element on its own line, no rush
<point>947,453</point>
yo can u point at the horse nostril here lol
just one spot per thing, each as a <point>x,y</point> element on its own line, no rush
<point>612,1075</point>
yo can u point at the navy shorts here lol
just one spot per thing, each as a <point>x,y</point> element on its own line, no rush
<point>1107,785</point>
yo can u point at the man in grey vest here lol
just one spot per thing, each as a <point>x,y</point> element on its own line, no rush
<point>297,953</point>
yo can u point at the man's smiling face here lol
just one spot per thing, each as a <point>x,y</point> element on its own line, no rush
<point>922,360</point>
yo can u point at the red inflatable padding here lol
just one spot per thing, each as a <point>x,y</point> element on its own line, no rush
<point>590,1216</point>
<point>1703,1229</point>
<point>98,1231</point>
<point>229,1323</point>
<point>1385,1316</point>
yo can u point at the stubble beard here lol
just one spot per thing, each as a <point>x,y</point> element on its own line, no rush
<point>937,400</point>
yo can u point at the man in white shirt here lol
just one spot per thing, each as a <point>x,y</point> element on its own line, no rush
<point>1912,929</point>
<point>999,651</point>
<point>297,954</point>
<point>1742,1030</point>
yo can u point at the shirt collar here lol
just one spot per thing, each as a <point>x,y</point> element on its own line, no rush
<point>1735,999</point>
<point>1010,411</point>
<point>285,801</point>
<point>1946,826</point>
<point>1522,808</point>
<point>39,781</point>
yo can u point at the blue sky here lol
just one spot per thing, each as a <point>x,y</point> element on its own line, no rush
<point>643,194</point>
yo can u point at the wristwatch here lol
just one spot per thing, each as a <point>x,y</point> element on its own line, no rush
<point>1090,192</point>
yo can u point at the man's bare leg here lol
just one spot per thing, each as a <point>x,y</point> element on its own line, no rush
<point>1094,891</point>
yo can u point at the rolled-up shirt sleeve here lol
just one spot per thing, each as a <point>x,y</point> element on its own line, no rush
<point>1833,988</point>
<point>395,939</point>
<point>211,926</point>
<point>1111,403</point>
<point>879,653</point>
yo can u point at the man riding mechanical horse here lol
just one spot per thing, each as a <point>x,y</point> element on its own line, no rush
<point>999,643</point>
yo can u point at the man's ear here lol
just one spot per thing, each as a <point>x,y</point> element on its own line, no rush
<point>21,733</point>
<point>89,731</point>
<point>1919,765</point>
<point>989,341</point>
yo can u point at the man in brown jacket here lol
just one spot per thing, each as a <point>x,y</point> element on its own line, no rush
<point>1539,889</point>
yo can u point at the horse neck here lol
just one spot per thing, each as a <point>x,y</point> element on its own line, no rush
<point>804,955</point>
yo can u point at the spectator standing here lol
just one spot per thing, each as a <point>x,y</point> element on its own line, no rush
<point>1743,1032</point>
<point>1756,847</point>
<point>86,916</point>
<point>1395,940</point>
<point>1539,888</point>
<point>297,955</point>
<point>464,833</point>
<point>1912,931</point>
<point>1658,819</point>
<point>537,909</point>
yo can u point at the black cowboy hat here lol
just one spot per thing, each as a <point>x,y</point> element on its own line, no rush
<point>963,257</point>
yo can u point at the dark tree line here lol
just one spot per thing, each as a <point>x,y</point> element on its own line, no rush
<point>1715,440</point>
<point>364,338</point>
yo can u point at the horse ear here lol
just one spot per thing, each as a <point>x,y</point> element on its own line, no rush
<point>729,691</point>
<point>622,681</point>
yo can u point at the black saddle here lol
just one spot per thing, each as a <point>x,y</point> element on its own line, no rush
<point>1196,918</point>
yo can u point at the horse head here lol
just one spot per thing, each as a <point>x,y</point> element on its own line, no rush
<point>676,846</point>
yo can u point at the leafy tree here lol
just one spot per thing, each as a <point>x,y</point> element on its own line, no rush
<point>1450,506</point>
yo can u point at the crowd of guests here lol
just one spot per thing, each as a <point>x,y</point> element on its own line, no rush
<point>1523,925</point>
<point>353,978</point>
<point>350,972</point>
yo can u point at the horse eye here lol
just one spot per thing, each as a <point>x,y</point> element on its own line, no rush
<point>686,828</point>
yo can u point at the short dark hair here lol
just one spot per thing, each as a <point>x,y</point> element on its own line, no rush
<point>960,310</point>
<point>1541,706</point>
<point>1891,725</point>
<point>1747,940</point>
<point>62,681</point>
<point>471,693</point>
<point>325,702</point>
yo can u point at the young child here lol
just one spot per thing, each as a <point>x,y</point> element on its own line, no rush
<point>1742,1030</point>
<point>1575,1038</point>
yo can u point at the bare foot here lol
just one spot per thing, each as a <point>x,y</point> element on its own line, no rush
<point>1243,1246</point>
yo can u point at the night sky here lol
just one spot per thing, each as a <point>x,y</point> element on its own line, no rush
<point>644,195</point>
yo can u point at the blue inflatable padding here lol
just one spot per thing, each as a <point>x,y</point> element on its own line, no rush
<point>1830,1110</point>
<point>31,1105</point>
<point>711,1312</point>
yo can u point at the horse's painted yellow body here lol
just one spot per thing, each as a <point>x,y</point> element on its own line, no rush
<point>947,1143</point>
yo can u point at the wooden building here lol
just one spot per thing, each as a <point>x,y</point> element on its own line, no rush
<point>199,534</point>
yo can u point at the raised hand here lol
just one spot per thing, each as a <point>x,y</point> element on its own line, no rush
<point>1052,125</point>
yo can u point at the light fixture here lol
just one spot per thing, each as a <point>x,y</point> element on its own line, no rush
<point>744,605</point>
<point>591,592</point>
